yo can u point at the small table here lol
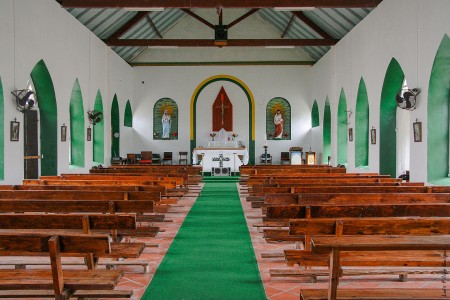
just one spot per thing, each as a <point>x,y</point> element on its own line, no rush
<point>372,243</point>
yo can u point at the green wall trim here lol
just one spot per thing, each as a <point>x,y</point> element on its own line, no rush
<point>2,132</point>
<point>315,120</point>
<point>48,118</point>
<point>76,126</point>
<point>438,115</point>
<point>251,146</point>
<point>392,84</point>
<point>342,126</point>
<point>128,117</point>
<point>362,126</point>
<point>115,128</point>
<point>326,131</point>
<point>99,133</point>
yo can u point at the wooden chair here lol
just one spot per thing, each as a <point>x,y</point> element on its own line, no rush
<point>285,158</point>
<point>131,159</point>
<point>146,158</point>
<point>156,158</point>
<point>167,157</point>
<point>183,157</point>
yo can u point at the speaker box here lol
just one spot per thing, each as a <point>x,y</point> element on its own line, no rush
<point>221,172</point>
<point>221,32</point>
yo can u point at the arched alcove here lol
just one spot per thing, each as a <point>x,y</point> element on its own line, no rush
<point>48,118</point>
<point>315,120</point>
<point>326,131</point>
<point>115,128</point>
<point>278,119</point>
<point>165,120</point>
<point>362,126</point>
<point>342,127</point>
<point>76,111</point>
<point>392,84</point>
<point>128,117</point>
<point>2,133</point>
<point>99,133</point>
<point>438,115</point>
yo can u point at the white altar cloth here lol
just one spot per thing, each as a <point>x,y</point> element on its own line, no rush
<point>230,155</point>
<point>224,144</point>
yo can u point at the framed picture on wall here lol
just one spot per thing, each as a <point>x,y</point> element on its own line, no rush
<point>63,133</point>
<point>373,136</point>
<point>417,128</point>
<point>350,134</point>
<point>89,134</point>
<point>14,132</point>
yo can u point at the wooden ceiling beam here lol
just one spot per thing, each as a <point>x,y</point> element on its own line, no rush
<point>229,43</point>
<point>218,3</point>
<point>127,26</point>
<point>198,18</point>
<point>312,25</point>
<point>244,16</point>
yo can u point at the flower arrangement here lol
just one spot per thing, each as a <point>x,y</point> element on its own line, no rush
<point>234,135</point>
<point>212,134</point>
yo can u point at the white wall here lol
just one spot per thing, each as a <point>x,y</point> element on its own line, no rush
<point>70,51</point>
<point>407,30</point>
<point>179,84</point>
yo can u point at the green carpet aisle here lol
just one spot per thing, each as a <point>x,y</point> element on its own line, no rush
<point>212,255</point>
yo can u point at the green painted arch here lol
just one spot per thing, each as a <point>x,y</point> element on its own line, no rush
<point>251,110</point>
<point>362,126</point>
<point>326,131</point>
<point>99,133</point>
<point>272,107</point>
<point>128,117</point>
<point>342,127</point>
<point>115,128</point>
<point>48,118</point>
<point>2,132</point>
<point>393,82</point>
<point>76,111</point>
<point>315,120</point>
<point>438,114</point>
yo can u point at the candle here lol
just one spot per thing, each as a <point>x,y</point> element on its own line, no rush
<point>265,139</point>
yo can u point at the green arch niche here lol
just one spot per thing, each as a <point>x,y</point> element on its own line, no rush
<point>160,106</point>
<point>315,121</point>
<point>128,118</point>
<point>284,106</point>
<point>362,126</point>
<point>326,131</point>
<point>45,94</point>
<point>393,82</point>
<point>76,126</point>
<point>115,128</point>
<point>2,132</point>
<point>342,140</point>
<point>438,114</point>
<point>99,133</point>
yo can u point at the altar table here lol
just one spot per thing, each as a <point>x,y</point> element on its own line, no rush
<point>214,157</point>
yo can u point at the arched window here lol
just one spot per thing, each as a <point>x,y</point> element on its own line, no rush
<point>315,121</point>
<point>326,132</point>
<point>128,118</point>
<point>76,127</point>
<point>362,126</point>
<point>99,133</point>
<point>438,116</point>
<point>342,126</point>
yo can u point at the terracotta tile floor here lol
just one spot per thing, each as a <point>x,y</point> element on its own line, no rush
<point>276,288</point>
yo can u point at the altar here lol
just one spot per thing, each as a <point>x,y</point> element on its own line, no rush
<point>224,159</point>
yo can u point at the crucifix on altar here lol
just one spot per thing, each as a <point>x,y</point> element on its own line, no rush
<point>222,112</point>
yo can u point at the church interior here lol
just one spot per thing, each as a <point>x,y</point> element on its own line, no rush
<point>270,149</point>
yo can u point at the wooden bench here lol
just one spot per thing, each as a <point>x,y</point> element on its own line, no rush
<point>167,184</point>
<point>118,225</point>
<point>370,243</point>
<point>84,194</point>
<point>63,283</point>
<point>378,294</point>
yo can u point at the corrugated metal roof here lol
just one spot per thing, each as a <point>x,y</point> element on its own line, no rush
<point>337,22</point>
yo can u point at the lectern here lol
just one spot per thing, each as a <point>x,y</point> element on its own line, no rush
<point>295,154</point>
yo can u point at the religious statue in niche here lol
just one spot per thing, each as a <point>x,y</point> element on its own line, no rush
<point>278,119</point>
<point>165,120</point>
<point>222,112</point>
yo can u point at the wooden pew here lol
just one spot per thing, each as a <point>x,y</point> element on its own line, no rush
<point>370,243</point>
<point>78,195</point>
<point>167,184</point>
<point>117,225</point>
<point>62,282</point>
